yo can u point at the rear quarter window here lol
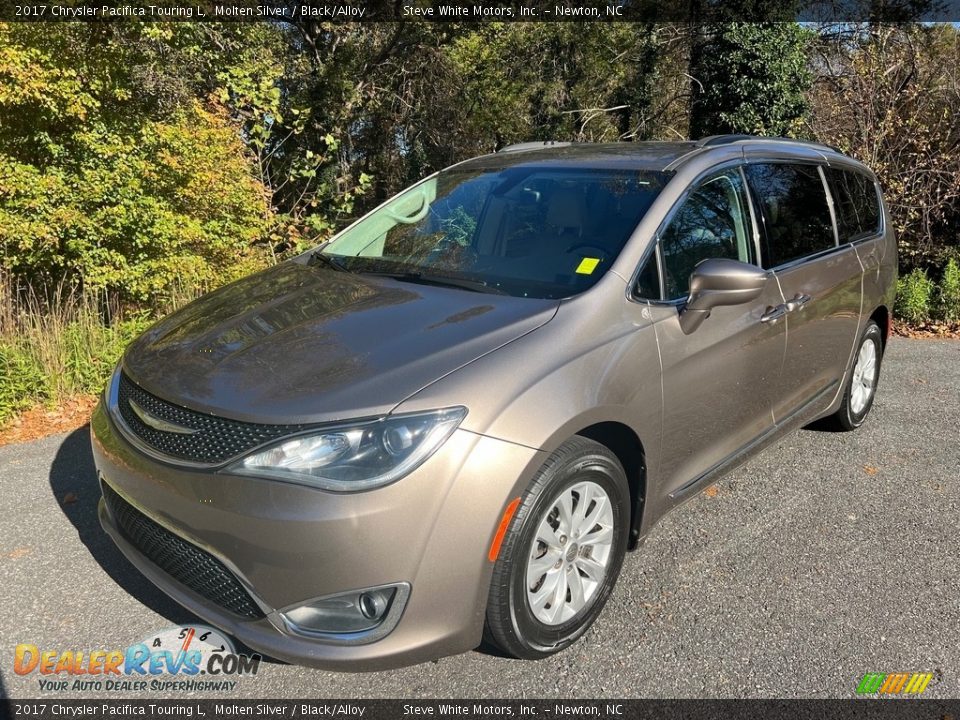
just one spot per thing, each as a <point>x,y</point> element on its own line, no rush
<point>796,216</point>
<point>856,203</point>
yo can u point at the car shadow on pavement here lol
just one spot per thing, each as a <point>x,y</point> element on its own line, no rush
<point>824,425</point>
<point>73,481</point>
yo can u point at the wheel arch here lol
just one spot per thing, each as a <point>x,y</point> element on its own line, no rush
<point>881,316</point>
<point>623,442</point>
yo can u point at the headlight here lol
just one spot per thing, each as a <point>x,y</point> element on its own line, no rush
<point>354,457</point>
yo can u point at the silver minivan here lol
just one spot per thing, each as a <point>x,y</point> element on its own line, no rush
<point>451,421</point>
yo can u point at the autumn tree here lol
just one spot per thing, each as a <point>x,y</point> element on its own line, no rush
<point>890,96</point>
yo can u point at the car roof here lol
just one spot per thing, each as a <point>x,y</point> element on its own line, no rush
<point>623,155</point>
<point>645,155</point>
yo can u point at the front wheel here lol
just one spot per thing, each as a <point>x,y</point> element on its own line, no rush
<point>562,552</point>
<point>862,386</point>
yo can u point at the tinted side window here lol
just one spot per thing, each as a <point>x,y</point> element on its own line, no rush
<point>796,217</point>
<point>856,203</point>
<point>713,222</point>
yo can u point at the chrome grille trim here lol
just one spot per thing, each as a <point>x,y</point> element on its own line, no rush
<point>210,442</point>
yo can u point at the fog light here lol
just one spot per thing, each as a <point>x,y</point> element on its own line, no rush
<point>350,612</point>
<point>374,604</point>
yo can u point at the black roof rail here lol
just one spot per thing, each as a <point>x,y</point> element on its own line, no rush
<point>714,140</point>
<point>534,145</point>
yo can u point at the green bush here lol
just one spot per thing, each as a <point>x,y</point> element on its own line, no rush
<point>914,296</point>
<point>949,295</point>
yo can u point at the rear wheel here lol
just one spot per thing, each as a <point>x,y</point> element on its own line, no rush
<point>862,385</point>
<point>562,552</point>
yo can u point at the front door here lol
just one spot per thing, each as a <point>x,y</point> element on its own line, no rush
<point>719,381</point>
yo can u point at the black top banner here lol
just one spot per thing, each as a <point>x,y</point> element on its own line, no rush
<point>340,11</point>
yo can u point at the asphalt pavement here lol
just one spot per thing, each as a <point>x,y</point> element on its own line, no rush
<point>828,556</point>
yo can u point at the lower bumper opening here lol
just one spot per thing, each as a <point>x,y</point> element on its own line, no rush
<point>192,567</point>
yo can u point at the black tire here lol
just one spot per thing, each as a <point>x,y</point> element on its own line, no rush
<point>846,417</point>
<point>511,624</point>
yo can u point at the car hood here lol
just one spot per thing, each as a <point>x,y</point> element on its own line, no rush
<point>301,344</point>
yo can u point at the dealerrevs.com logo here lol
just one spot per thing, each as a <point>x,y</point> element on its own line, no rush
<point>183,658</point>
<point>897,684</point>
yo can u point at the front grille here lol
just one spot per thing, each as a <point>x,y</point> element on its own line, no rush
<point>183,561</point>
<point>215,439</point>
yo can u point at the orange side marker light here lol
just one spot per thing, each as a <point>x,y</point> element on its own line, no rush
<point>502,530</point>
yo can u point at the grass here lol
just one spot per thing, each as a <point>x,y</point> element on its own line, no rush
<point>52,349</point>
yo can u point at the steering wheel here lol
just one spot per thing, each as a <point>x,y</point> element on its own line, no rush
<point>600,252</point>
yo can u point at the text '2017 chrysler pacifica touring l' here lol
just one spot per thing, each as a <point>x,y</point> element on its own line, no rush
<point>451,421</point>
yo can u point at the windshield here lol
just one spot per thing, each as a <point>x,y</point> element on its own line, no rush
<point>541,232</point>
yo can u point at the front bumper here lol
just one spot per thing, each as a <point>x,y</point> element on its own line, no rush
<point>289,544</point>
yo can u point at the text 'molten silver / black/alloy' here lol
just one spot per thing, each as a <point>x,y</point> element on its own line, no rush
<point>451,421</point>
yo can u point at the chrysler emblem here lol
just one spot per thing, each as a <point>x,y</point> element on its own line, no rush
<point>159,423</point>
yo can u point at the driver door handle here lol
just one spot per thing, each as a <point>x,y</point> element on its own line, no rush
<point>774,313</point>
<point>798,302</point>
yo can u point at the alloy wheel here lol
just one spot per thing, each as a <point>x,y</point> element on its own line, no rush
<point>864,376</point>
<point>570,553</point>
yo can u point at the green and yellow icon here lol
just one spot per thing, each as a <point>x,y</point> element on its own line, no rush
<point>894,683</point>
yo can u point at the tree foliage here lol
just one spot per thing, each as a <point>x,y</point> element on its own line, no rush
<point>107,181</point>
<point>750,78</point>
<point>133,156</point>
<point>890,96</point>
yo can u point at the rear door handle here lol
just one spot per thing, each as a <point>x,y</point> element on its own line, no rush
<point>774,313</point>
<point>798,302</point>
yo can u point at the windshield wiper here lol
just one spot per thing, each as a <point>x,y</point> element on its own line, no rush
<point>441,281</point>
<point>328,260</point>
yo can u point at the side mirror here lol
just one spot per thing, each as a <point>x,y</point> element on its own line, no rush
<point>717,282</point>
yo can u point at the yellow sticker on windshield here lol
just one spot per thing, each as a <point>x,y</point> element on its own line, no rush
<point>587,266</point>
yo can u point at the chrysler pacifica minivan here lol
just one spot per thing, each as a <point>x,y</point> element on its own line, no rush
<point>450,422</point>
